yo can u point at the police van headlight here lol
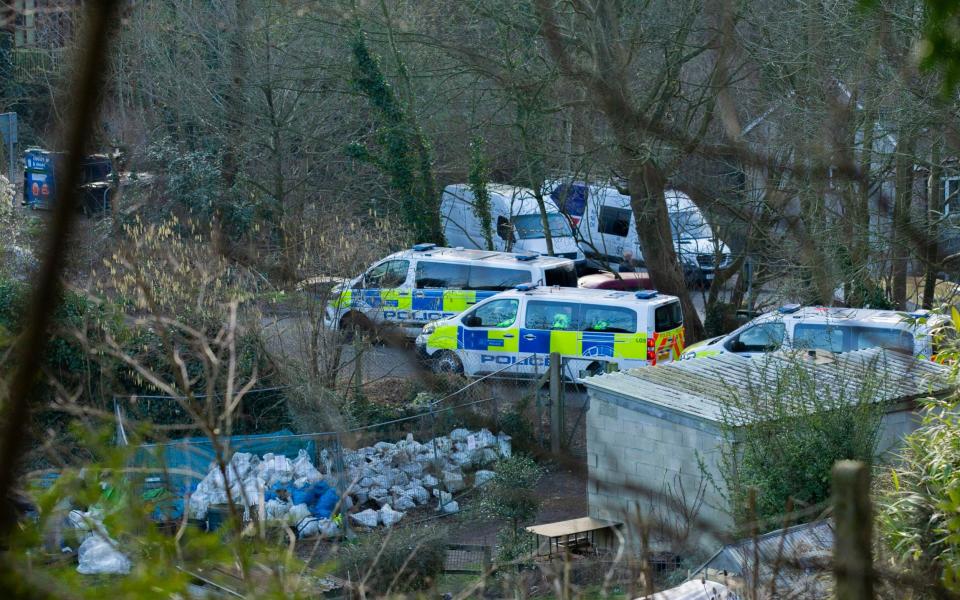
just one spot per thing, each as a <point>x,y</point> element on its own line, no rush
<point>429,328</point>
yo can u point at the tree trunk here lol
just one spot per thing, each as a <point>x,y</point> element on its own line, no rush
<point>903,197</point>
<point>932,245</point>
<point>647,186</point>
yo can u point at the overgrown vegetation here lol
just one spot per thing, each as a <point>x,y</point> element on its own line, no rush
<point>786,430</point>
<point>511,497</point>
<point>399,560</point>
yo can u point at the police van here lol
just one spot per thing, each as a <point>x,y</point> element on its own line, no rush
<point>594,331</point>
<point>411,288</point>
<point>828,329</point>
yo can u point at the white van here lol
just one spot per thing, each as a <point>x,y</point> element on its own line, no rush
<point>828,329</point>
<point>606,228</point>
<point>516,222</point>
<point>410,288</point>
<point>513,333</point>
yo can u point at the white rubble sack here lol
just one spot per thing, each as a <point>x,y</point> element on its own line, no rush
<point>482,477</point>
<point>459,435</point>
<point>503,445</point>
<point>368,518</point>
<point>390,517</point>
<point>303,470</point>
<point>453,480</point>
<point>404,503</point>
<point>450,507</point>
<point>277,510</point>
<point>275,469</point>
<point>98,556</point>
<point>323,527</point>
<point>297,513</point>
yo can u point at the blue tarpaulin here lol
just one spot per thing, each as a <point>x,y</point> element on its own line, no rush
<point>191,457</point>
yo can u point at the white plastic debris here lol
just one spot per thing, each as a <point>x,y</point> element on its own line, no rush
<point>98,555</point>
<point>368,518</point>
<point>450,507</point>
<point>459,435</point>
<point>482,477</point>
<point>390,517</point>
<point>485,439</point>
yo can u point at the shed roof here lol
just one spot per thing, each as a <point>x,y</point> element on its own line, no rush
<point>790,555</point>
<point>697,388</point>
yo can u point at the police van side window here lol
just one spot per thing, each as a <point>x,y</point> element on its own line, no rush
<point>820,337</point>
<point>609,318</point>
<point>390,274</point>
<point>765,337</point>
<point>552,316</point>
<point>497,313</point>
<point>882,337</point>
<point>494,279</point>
<point>441,275</point>
<point>668,316</point>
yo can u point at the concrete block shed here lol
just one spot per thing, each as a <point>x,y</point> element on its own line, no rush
<point>650,429</point>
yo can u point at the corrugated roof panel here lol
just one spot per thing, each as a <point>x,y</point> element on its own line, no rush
<point>699,387</point>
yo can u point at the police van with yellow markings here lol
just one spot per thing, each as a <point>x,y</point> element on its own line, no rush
<point>411,288</point>
<point>829,329</point>
<point>513,333</point>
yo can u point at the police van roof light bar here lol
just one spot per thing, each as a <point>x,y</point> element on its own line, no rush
<point>919,314</point>
<point>527,256</point>
<point>423,247</point>
<point>646,294</point>
<point>787,309</point>
<point>525,287</point>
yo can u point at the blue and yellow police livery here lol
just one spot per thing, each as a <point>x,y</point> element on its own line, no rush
<point>514,333</point>
<point>413,287</point>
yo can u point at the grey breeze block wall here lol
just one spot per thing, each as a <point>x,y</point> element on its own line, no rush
<point>635,449</point>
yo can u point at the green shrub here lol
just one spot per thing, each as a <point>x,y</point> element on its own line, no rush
<point>511,496</point>
<point>918,510</point>
<point>798,427</point>
<point>400,560</point>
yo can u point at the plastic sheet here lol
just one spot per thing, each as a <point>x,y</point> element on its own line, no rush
<point>98,556</point>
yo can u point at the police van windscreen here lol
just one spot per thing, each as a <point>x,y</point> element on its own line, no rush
<point>846,338</point>
<point>443,275</point>
<point>563,276</point>
<point>668,316</point>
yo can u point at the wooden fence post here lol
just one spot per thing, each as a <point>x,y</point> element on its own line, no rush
<point>555,412</point>
<point>852,552</point>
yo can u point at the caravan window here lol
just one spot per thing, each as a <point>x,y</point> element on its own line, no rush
<point>531,226</point>
<point>614,221</point>
<point>492,278</point>
<point>441,275</point>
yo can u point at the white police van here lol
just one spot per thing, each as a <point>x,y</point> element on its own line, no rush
<point>514,333</point>
<point>828,329</point>
<point>411,288</point>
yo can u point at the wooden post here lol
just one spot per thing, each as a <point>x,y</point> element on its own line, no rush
<point>852,554</point>
<point>556,431</point>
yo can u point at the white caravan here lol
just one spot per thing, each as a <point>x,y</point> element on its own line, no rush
<point>606,228</point>
<point>516,223</point>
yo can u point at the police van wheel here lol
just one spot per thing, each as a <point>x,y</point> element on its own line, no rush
<point>447,362</point>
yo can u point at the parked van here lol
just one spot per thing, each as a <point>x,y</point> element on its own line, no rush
<point>828,329</point>
<point>606,228</point>
<point>411,288</point>
<point>517,224</point>
<point>513,333</point>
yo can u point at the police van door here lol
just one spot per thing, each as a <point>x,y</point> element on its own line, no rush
<point>386,297</point>
<point>550,326</point>
<point>489,337</point>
